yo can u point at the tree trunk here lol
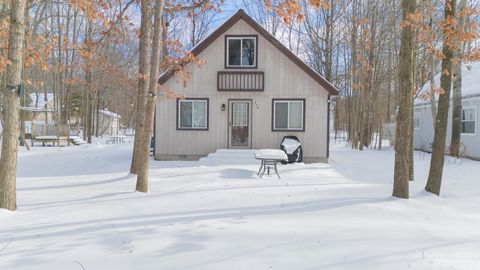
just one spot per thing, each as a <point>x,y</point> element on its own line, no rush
<point>456,110</point>
<point>411,173</point>
<point>353,136</point>
<point>405,106</point>
<point>97,116</point>
<point>457,90</point>
<point>143,70</point>
<point>433,102</point>
<point>142,179</point>
<point>89,102</point>
<point>434,181</point>
<point>8,160</point>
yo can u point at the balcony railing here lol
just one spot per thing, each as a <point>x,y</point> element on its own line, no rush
<point>240,81</point>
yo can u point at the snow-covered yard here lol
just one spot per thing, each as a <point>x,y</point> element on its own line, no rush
<point>77,210</point>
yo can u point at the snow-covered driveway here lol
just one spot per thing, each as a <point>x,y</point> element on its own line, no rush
<point>77,210</point>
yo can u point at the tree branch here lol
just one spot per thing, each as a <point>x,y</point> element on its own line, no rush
<point>194,5</point>
<point>119,18</point>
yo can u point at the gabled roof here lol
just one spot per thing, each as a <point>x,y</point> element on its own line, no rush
<point>470,83</point>
<point>241,15</point>
<point>110,114</point>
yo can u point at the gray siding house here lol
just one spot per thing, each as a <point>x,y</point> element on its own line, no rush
<point>470,137</point>
<point>251,92</point>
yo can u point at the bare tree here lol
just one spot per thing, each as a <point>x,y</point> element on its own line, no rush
<point>405,104</point>
<point>143,70</point>
<point>457,87</point>
<point>157,48</point>
<point>434,181</point>
<point>8,160</point>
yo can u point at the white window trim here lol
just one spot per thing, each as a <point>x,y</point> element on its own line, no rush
<point>193,111</point>
<point>241,52</point>
<point>475,120</point>
<point>419,121</point>
<point>288,115</point>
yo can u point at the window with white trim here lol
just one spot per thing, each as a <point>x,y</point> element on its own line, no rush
<point>416,123</point>
<point>288,115</point>
<point>416,120</point>
<point>241,51</point>
<point>469,118</point>
<point>192,114</point>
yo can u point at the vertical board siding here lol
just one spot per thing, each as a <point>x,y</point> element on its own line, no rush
<point>282,79</point>
<point>423,136</point>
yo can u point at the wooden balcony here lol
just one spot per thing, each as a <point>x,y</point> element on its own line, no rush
<point>240,81</point>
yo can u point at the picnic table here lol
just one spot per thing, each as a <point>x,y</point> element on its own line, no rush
<point>47,133</point>
<point>117,139</point>
<point>269,158</point>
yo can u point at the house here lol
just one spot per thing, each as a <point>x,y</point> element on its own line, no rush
<point>470,136</point>
<point>42,108</point>
<point>108,122</point>
<point>251,92</point>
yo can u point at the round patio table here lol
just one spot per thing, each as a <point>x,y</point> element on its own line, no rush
<point>269,158</point>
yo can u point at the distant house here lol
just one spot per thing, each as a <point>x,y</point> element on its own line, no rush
<point>251,93</point>
<point>470,136</point>
<point>42,111</point>
<point>108,123</point>
<point>42,107</point>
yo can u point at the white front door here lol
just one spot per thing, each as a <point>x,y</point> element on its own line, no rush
<point>239,123</point>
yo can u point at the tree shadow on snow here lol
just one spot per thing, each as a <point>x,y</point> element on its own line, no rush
<point>237,173</point>
<point>29,232</point>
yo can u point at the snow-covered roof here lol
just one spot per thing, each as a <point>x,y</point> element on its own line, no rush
<point>109,113</point>
<point>470,82</point>
<point>38,100</point>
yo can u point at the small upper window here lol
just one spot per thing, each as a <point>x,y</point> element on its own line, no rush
<point>288,115</point>
<point>192,114</point>
<point>241,51</point>
<point>468,120</point>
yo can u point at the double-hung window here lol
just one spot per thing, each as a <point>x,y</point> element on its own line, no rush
<point>469,120</point>
<point>241,52</point>
<point>416,119</point>
<point>288,115</point>
<point>192,114</point>
<point>416,122</point>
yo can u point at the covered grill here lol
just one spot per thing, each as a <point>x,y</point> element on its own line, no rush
<point>293,148</point>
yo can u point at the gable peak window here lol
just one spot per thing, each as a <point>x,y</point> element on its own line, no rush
<point>241,51</point>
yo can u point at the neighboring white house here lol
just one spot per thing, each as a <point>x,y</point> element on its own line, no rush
<point>42,111</point>
<point>42,107</point>
<point>251,92</point>
<point>470,138</point>
<point>109,123</point>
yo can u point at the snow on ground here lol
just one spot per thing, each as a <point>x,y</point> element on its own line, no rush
<point>77,210</point>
